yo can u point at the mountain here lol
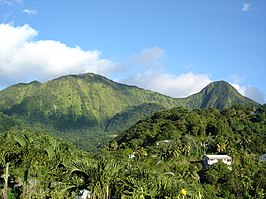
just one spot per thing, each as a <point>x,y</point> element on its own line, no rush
<point>88,99</point>
<point>82,107</point>
<point>218,94</point>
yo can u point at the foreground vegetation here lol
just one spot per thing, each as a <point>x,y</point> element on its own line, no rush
<point>166,150</point>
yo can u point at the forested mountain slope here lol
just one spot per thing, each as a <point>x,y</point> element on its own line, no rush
<point>87,99</point>
<point>82,108</point>
<point>178,139</point>
<point>236,128</point>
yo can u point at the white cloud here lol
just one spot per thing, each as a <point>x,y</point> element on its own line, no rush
<point>150,75</point>
<point>240,89</point>
<point>30,11</point>
<point>255,94</point>
<point>171,85</point>
<point>250,92</point>
<point>186,84</point>
<point>245,7</point>
<point>24,59</point>
<point>153,77</point>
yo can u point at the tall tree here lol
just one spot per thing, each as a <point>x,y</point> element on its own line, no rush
<point>10,153</point>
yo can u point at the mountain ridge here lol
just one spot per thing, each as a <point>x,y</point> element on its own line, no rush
<point>89,103</point>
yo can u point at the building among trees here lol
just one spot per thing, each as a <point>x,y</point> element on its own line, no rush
<point>209,160</point>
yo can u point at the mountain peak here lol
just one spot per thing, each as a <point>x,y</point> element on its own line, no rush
<point>82,76</point>
<point>219,94</point>
<point>220,85</point>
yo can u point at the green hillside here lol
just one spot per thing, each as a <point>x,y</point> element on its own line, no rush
<point>129,117</point>
<point>218,95</point>
<point>7,123</point>
<point>166,140</point>
<point>176,140</point>
<point>159,157</point>
<point>180,137</point>
<point>83,108</point>
<point>87,97</point>
<point>238,128</point>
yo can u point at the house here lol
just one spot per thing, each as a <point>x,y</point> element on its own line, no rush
<point>209,160</point>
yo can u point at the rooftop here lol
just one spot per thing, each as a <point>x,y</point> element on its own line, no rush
<point>219,157</point>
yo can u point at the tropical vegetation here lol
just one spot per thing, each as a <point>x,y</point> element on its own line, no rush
<point>158,157</point>
<point>89,110</point>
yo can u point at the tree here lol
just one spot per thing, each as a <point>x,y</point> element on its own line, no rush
<point>10,153</point>
<point>221,147</point>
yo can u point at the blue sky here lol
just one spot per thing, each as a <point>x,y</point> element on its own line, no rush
<point>172,47</point>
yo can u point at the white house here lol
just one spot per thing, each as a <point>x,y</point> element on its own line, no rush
<point>209,160</point>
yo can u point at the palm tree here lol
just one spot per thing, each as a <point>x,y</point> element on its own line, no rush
<point>221,147</point>
<point>9,153</point>
<point>55,176</point>
<point>105,176</point>
<point>29,152</point>
<point>99,176</point>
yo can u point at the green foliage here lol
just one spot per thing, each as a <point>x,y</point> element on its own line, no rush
<point>75,103</point>
<point>7,123</point>
<point>157,155</point>
<point>37,163</point>
<point>222,131</point>
<point>129,117</point>
<point>218,95</point>
<point>179,135</point>
<point>166,161</point>
<point>94,105</point>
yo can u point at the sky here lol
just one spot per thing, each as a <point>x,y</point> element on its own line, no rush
<point>174,47</point>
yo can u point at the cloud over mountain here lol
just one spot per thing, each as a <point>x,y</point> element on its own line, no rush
<point>171,85</point>
<point>250,92</point>
<point>151,75</point>
<point>22,58</point>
